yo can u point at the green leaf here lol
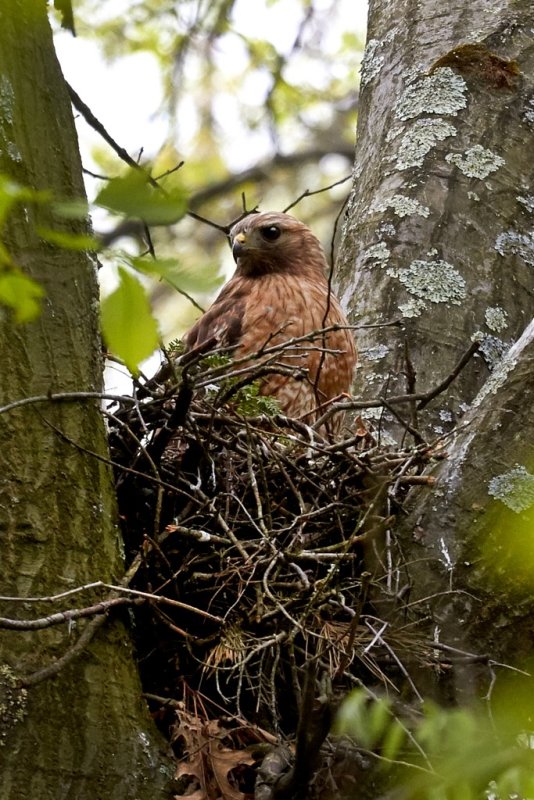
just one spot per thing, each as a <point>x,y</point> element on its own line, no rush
<point>68,241</point>
<point>176,347</point>
<point>351,717</point>
<point>12,192</point>
<point>249,402</point>
<point>378,715</point>
<point>21,294</point>
<point>129,329</point>
<point>176,274</point>
<point>5,258</point>
<point>393,740</point>
<point>132,196</point>
<point>71,209</point>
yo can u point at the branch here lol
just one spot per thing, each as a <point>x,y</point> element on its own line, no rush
<point>264,170</point>
<point>59,396</point>
<point>76,650</point>
<point>252,174</point>
<point>97,609</point>
<point>309,193</point>
<point>123,154</point>
<point>95,123</point>
<point>467,356</point>
<point>315,718</point>
<point>65,616</point>
<point>423,397</point>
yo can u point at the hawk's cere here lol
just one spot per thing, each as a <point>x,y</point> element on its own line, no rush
<point>280,291</point>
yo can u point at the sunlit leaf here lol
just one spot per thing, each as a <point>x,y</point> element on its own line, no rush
<point>5,258</point>
<point>177,274</point>
<point>21,294</point>
<point>351,718</point>
<point>393,740</point>
<point>69,241</point>
<point>513,707</point>
<point>71,209</point>
<point>12,192</point>
<point>132,196</point>
<point>129,329</point>
<point>379,718</point>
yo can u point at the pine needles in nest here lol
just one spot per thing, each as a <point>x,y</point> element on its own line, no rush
<point>257,532</point>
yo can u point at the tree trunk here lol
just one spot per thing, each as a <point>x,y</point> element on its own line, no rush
<point>81,729</point>
<point>439,239</point>
<point>469,542</point>
<point>439,231</point>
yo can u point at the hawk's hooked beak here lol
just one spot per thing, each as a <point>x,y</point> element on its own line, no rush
<point>238,246</point>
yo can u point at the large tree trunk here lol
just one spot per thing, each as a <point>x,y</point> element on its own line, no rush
<point>81,729</point>
<point>439,238</point>
<point>469,543</point>
<point>439,224</point>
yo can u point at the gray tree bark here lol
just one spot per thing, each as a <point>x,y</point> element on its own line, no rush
<point>439,232</point>
<point>469,541</point>
<point>439,238</point>
<point>80,728</point>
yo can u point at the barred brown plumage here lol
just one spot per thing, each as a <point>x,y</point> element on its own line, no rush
<point>280,292</point>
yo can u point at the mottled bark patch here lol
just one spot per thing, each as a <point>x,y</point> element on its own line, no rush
<point>476,61</point>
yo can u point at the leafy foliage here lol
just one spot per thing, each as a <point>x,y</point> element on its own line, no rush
<point>129,328</point>
<point>232,95</point>
<point>247,399</point>
<point>68,241</point>
<point>450,754</point>
<point>249,402</point>
<point>132,196</point>
<point>180,276</point>
<point>21,294</point>
<point>18,291</point>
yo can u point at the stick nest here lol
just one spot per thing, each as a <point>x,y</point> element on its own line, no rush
<point>260,534</point>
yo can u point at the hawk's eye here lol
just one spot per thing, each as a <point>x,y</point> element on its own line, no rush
<point>270,233</point>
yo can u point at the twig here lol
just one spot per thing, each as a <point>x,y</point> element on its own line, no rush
<point>406,425</point>
<point>464,360</point>
<point>100,608</point>
<point>95,123</point>
<point>308,193</point>
<point>95,175</point>
<point>69,615</point>
<point>379,638</point>
<point>423,397</point>
<point>264,171</point>
<point>334,230</point>
<point>54,397</point>
<point>170,171</point>
<point>75,651</point>
<point>123,154</point>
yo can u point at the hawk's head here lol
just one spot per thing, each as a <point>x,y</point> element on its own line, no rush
<point>275,242</point>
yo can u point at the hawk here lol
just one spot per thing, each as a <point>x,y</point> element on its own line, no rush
<point>280,292</point>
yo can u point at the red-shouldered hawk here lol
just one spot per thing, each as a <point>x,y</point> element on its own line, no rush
<point>279,292</point>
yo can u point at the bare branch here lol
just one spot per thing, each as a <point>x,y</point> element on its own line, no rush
<point>70,615</point>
